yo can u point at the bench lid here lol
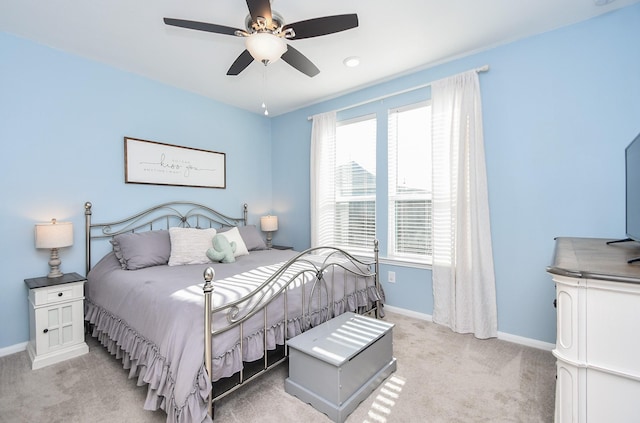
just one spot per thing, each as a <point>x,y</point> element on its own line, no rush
<point>341,338</point>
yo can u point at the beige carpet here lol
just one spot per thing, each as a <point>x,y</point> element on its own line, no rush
<point>441,377</point>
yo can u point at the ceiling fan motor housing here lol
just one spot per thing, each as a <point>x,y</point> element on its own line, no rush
<point>263,24</point>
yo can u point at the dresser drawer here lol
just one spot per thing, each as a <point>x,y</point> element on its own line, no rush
<point>55,294</point>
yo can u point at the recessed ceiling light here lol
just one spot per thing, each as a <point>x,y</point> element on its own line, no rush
<point>351,62</point>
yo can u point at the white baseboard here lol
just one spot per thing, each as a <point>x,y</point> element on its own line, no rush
<point>12,349</point>
<point>529,342</point>
<point>408,313</point>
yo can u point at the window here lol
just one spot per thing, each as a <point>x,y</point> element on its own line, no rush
<point>354,221</point>
<point>409,172</point>
<point>345,200</point>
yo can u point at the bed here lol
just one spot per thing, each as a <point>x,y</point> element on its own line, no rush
<point>146,299</point>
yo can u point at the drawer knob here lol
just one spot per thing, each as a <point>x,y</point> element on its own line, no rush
<point>59,294</point>
<point>45,331</point>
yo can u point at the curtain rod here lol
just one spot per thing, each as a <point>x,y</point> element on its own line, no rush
<point>484,68</point>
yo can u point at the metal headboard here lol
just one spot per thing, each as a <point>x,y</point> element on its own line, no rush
<point>183,214</point>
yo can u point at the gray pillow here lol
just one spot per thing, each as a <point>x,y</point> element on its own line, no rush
<point>250,235</point>
<point>142,249</point>
<point>252,238</point>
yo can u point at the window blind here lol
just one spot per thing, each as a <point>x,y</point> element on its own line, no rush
<point>355,185</point>
<point>410,211</point>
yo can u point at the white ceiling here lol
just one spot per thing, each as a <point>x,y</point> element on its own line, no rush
<point>394,37</point>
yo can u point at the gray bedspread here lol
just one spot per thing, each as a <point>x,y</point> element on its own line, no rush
<point>152,318</point>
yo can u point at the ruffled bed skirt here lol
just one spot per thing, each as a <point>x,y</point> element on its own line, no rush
<point>145,361</point>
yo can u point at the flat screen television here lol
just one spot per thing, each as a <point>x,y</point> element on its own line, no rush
<point>632,194</point>
<point>632,171</point>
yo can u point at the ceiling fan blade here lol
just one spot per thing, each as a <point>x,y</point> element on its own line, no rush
<point>300,62</point>
<point>260,8</point>
<point>322,26</point>
<point>241,63</point>
<point>201,26</point>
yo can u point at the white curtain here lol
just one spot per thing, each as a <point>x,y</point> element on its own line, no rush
<point>323,138</point>
<point>463,276</point>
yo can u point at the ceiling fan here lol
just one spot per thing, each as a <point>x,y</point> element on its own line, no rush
<point>265,34</point>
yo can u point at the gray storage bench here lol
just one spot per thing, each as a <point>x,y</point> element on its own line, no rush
<point>337,364</point>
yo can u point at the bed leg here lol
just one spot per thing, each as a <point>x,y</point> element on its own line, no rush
<point>209,274</point>
<point>87,237</point>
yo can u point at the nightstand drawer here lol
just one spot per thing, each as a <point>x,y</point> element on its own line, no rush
<point>57,293</point>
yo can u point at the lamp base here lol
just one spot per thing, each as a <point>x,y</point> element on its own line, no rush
<point>269,238</point>
<point>54,274</point>
<point>54,264</point>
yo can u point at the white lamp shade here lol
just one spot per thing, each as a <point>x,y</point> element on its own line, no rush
<point>269,223</point>
<point>265,46</point>
<point>54,234</point>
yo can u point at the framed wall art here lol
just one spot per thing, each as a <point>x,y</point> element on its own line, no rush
<point>150,162</point>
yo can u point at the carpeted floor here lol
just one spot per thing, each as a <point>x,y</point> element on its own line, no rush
<point>441,377</point>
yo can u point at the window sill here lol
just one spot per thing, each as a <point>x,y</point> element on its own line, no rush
<point>395,261</point>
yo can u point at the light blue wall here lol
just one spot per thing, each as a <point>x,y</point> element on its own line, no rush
<point>559,108</point>
<point>62,123</point>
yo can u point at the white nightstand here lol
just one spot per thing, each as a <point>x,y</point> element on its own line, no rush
<point>56,319</point>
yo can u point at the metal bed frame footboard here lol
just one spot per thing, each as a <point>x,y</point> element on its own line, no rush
<point>320,287</point>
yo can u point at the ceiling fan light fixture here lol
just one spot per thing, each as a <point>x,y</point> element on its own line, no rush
<point>265,47</point>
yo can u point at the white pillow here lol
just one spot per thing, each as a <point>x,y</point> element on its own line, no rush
<point>234,235</point>
<point>189,245</point>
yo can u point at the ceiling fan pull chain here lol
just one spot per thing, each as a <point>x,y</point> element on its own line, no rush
<point>264,91</point>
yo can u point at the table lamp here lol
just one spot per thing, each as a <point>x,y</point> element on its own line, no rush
<point>54,235</point>
<point>269,224</point>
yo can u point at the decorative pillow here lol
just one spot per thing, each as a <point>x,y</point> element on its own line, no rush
<point>250,235</point>
<point>138,250</point>
<point>233,235</point>
<point>189,245</point>
<point>222,250</point>
<point>252,238</point>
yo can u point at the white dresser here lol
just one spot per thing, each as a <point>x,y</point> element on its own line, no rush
<point>56,317</point>
<point>598,331</point>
